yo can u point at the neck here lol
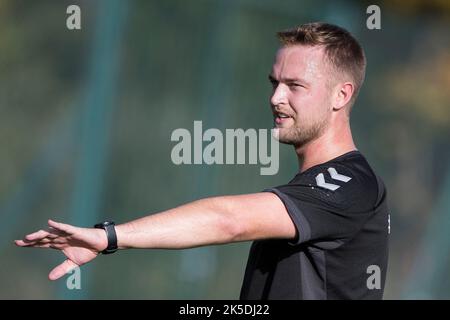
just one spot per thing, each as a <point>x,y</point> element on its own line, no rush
<point>331,144</point>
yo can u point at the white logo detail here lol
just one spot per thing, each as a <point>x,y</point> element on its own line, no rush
<point>336,176</point>
<point>74,281</point>
<point>73,21</point>
<point>320,179</point>
<point>221,147</point>
<point>374,20</point>
<point>374,280</point>
<point>389,224</point>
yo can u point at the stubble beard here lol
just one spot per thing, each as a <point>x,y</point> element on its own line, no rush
<point>300,134</point>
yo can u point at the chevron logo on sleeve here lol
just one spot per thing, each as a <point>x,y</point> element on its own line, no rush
<point>320,179</point>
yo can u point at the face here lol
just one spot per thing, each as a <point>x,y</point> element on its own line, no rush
<point>300,100</point>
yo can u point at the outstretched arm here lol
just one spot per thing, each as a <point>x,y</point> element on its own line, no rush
<point>214,220</point>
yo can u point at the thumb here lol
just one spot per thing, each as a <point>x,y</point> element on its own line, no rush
<point>62,269</point>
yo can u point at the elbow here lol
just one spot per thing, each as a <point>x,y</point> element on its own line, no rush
<point>228,224</point>
<point>231,229</point>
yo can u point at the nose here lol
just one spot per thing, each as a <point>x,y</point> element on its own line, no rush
<point>279,95</point>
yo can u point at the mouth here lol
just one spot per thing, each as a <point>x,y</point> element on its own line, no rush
<point>281,117</point>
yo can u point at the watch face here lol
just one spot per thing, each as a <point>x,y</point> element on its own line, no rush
<point>104,224</point>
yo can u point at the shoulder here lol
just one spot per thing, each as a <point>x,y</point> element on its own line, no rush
<point>346,183</point>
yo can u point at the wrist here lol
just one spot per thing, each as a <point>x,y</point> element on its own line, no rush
<point>108,228</point>
<point>122,236</point>
<point>102,239</point>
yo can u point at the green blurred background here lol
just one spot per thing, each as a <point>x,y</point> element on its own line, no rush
<point>86,118</point>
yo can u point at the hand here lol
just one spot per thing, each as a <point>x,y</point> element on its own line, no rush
<point>79,245</point>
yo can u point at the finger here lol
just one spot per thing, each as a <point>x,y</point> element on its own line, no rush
<point>67,228</point>
<point>62,269</point>
<point>26,242</point>
<point>39,244</point>
<point>36,236</point>
<point>44,246</point>
<point>55,232</point>
<point>59,240</point>
<point>43,241</point>
<point>34,244</point>
<point>50,243</point>
<point>56,242</point>
<point>21,243</point>
<point>52,236</point>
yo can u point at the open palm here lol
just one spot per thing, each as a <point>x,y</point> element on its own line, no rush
<point>79,245</point>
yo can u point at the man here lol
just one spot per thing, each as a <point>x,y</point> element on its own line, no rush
<point>324,235</point>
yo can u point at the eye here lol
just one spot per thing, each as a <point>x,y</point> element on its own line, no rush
<point>295,86</point>
<point>274,83</point>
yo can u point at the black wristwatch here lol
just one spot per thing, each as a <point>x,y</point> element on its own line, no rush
<point>110,230</point>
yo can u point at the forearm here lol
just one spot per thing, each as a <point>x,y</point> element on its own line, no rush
<point>202,222</point>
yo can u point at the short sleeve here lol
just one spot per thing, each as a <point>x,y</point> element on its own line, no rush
<point>327,218</point>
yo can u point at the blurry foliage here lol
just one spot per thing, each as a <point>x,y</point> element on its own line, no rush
<point>423,91</point>
<point>208,60</point>
<point>418,7</point>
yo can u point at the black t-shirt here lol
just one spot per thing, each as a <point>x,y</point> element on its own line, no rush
<point>341,251</point>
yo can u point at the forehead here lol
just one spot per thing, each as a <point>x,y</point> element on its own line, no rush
<point>298,60</point>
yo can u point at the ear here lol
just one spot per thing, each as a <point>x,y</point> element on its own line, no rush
<point>343,96</point>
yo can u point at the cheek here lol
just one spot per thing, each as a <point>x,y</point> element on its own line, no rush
<point>319,101</point>
<point>304,101</point>
<point>310,106</point>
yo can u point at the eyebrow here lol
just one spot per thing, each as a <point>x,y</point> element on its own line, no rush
<point>288,80</point>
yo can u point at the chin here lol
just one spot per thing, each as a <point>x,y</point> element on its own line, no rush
<point>292,138</point>
<point>283,137</point>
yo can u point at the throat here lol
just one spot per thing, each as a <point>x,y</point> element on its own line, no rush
<point>322,150</point>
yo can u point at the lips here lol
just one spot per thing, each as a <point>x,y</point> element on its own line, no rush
<point>281,117</point>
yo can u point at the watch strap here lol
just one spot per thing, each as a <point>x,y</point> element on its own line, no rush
<point>110,230</point>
